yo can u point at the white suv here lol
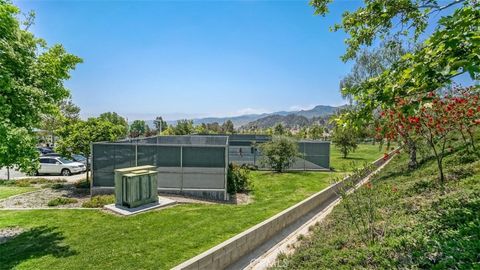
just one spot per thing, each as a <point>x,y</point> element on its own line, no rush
<point>58,165</point>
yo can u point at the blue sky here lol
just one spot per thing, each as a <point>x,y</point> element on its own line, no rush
<point>192,58</point>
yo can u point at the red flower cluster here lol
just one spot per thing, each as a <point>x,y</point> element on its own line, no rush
<point>432,114</point>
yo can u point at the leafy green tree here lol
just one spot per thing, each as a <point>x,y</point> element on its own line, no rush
<point>138,128</point>
<point>345,139</point>
<point>279,153</point>
<point>116,119</point>
<point>66,114</point>
<point>228,127</point>
<point>316,132</point>
<point>371,63</point>
<point>380,19</point>
<point>279,130</point>
<point>82,133</point>
<point>31,86</point>
<point>450,51</point>
<point>160,124</point>
<point>184,127</point>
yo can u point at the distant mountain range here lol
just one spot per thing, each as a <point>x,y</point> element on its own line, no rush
<point>265,120</point>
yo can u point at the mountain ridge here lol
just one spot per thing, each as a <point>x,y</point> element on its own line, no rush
<point>242,120</point>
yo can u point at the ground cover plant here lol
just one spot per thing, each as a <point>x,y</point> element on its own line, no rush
<point>417,224</point>
<point>10,188</point>
<point>61,201</point>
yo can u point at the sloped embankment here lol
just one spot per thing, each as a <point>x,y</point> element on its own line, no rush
<point>415,223</point>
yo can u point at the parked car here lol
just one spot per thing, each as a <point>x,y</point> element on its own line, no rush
<point>59,165</point>
<point>44,150</point>
<point>74,157</point>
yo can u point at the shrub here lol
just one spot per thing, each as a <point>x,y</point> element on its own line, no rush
<point>345,139</point>
<point>82,184</point>
<point>99,201</point>
<point>61,201</point>
<point>53,186</point>
<point>238,179</point>
<point>279,153</point>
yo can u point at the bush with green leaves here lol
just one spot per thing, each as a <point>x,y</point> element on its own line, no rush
<point>99,201</point>
<point>238,179</point>
<point>84,183</point>
<point>279,153</point>
<point>61,201</point>
<point>345,139</point>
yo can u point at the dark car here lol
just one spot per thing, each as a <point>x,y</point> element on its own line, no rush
<point>44,150</point>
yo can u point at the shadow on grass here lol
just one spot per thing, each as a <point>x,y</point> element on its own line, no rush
<point>34,243</point>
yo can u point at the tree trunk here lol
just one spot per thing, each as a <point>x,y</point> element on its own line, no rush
<point>440,170</point>
<point>8,173</point>
<point>87,169</point>
<point>472,140</point>
<point>412,150</point>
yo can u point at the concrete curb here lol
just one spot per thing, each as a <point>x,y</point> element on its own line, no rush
<point>233,249</point>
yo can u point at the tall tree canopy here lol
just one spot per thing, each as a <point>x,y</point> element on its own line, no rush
<point>450,51</point>
<point>31,85</point>
<point>82,133</point>
<point>116,119</point>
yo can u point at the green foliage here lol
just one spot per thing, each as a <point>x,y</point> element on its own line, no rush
<point>279,130</point>
<point>61,201</point>
<point>116,119</point>
<point>138,128</point>
<point>228,127</point>
<point>81,134</point>
<point>99,201</point>
<point>56,186</point>
<point>160,124</point>
<point>184,127</point>
<point>280,153</point>
<point>27,182</point>
<point>417,225</point>
<point>315,132</point>
<point>345,138</point>
<point>370,64</point>
<point>84,183</point>
<point>238,179</point>
<point>31,85</point>
<point>378,19</point>
<point>449,52</point>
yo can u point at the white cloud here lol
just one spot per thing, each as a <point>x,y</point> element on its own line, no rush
<point>250,111</point>
<point>300,107</point>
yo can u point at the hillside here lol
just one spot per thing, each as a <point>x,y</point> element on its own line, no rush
<point>319,111</point>
<point>416,224</point>
<point>288,121</point>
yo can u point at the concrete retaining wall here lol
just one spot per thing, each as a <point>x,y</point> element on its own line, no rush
<point>228,252</point>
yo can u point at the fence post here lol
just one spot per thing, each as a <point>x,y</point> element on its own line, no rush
<point>304,157</point>
<point>226,171</point>
<point>181,169</point>
<point>136,154</point>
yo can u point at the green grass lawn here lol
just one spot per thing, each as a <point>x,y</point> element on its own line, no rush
<point>7,191</point>
<point>75,239</point>
<point>365,153</point>
<point>83,239</point>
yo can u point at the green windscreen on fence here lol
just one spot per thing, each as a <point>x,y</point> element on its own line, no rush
<point>204,156</point>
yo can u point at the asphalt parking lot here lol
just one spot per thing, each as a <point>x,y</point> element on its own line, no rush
<point>19,175</point>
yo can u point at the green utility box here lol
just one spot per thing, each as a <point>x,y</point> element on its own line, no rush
<point>136,186</point>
